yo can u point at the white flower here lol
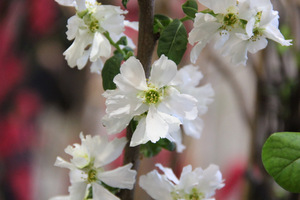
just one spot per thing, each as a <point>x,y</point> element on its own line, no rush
<point>263,26</point>
<point>237,27</point>
<point>87,174</point>
<point>223,22</point>
<point>90,28</point>
<point>197,184</point>
<point>187,82</point>
<point>153,102</point>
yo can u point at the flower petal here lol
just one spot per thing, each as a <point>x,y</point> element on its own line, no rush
<point>179,105</point>
<point>168,172</point>
<point>156,186</point>
<point>66,2</point>
<point>162,72</point>
<point>193,128</point>
<point>100,47</point>
<point>133,72</point>
<point>110,152</point>
<point>77,190</point>
<point>100,193</point>
<point>121,177</point>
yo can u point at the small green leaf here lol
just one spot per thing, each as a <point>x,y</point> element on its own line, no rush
<point>110,69</point>
<point>160,22</point>
<point>281,159</point>
<point>190,8</point>
<point>124,2</point>
<point>173,41</point>
<point>122,41</point>
<point>152,149</point>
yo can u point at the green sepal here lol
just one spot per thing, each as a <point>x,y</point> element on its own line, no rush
<point>209,11</point>
<point>128,52</point>
<point>110,69</point>
<point>152,149</point>
<point>173,41</point>
<point>122,41</point>
<point>124,2</point>
<point>281,159</point>
<point>111,189</point>
<point>160,23</point>
<point>190,8</point>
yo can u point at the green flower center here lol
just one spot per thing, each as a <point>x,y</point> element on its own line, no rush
<point>92,176</point>
<point>230,19</point>
<point>194,195</point>
<point>152,96</point>
<point>257,33</point>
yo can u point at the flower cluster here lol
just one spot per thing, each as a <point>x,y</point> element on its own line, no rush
<point>187,81</point>
<point>238,26</point>
<point>197,184</point>
<point>162,105</point>
<point>87,174</point>
<point>157,105</point>
<point>93,28</point>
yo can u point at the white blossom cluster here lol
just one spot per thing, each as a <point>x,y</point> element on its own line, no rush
<point>197,184</point>
<point>164,104</point>
<point>237,26</point>
<point>91,28</point>
<point>87,173</point>
<point>160,104</point>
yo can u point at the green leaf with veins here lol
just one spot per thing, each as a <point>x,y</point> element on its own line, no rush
<point>190,8</point>
<point>173,41</point>
<point>110,69</point>
<point>281,159</point>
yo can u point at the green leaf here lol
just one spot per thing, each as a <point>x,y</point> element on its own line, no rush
<point>110,69</point>
<point>122,41</point>
<point>173,41</point>
<point>160,22</point>
<point>124,2</point>
<point>281,159</point>
<point>152,149</point>
<point>190,8</point>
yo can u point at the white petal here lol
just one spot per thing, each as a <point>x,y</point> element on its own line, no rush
<point>168,172</point>
<point>66,2</point>
<point>177,137</point>
<point>97,66</point>
<point>205,27</point>
<point>133,25</point>
<point>80,5</point>
<point>179,105</point>
<point>156,127</point>
<point>156,186</point>
<point>162,72</point>
<point>81,61</point>
<point>193,128</point>
<point>100,193</point>
<point>255,46</point>
<point>273,33</point>
<point>218,6</point>
<point>60,198</point>
<point>115,125</point>
<point>110,152</point>
<point>133,71</point>
<point>196,50</point>
<point>121,177</point>
<point>77,191</point>
<point>100,47</point>
<point>64,164</point>
<point>139,136</point>
<point>73,25</point>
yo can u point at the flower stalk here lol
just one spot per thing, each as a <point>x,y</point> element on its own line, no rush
<point>146,44</point>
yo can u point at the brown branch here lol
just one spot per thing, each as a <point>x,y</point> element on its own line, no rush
<point>146,44</point>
